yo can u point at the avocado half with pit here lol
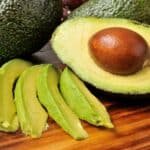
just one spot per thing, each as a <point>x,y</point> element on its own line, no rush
<point>70,42</point>
<point>26,25</point>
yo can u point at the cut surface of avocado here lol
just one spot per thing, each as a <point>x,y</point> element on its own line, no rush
<point>70,41</point>
<point>52,100</point>
<point>31,115</point>
<point>82,101</point>
<point>9,73</point>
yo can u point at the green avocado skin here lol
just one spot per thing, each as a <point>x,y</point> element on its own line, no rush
<point>131,9</point>
<point>26,25</point>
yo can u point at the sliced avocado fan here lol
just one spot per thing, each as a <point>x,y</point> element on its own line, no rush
<point>9,73</point>
<point>70,42</point>
<point>82,101</point>
<point>32,116</point>
<point>52,100</point>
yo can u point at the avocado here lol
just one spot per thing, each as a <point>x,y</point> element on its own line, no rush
<point>50,97</point>
<point>129,9</point>
<point>78,97</point>
<point>31,115</point>
<point>26,26</point>
<point>9,73</point>
<point>70,42</point>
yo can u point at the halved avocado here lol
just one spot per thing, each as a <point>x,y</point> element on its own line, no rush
<point>70,42</point>
<point>31,115</point>
<point>9,73</point>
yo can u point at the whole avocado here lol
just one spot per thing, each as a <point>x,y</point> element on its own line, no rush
<point>131,9</point>
<point>26,25</point>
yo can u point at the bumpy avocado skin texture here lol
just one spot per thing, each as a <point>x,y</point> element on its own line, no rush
<point>50,97</point>
<point>31,115</point>
<point>77,56</point>
<point>9,73</point>
<point>130,9</point>
<point>26,25</point>
<point>82,101</point>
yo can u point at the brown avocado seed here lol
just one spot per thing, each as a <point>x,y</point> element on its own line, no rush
<point>118,50</point>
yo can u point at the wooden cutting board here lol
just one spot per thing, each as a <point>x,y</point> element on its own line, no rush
<point>131,120</point>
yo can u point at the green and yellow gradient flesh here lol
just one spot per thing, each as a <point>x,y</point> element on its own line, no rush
<point>70,42</point>
<point>82,101</point>
<point>32,116</point>
<point>9,73</point>
<point>49,95</point>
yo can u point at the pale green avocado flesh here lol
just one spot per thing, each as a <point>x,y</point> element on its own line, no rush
<point>52,100</point>
<point>9,73</point>
<point>70,42</point>
<point>31,115</point>
<point>82,101</point>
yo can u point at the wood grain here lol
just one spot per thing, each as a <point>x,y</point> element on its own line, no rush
<point>132,127</point>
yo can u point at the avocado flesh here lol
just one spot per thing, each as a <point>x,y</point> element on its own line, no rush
<point>9,73</point>
<point>26,25</point>
<point>130,9</point>
<point>82,101</point>
<point>70,42</point>
<point>52,100</point>
<point>31,115</point>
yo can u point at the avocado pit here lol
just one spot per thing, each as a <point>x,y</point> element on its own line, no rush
<point>118,50</point>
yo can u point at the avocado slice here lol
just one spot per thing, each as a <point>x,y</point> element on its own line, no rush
<point>26,25</point>
<point>32,116</point>
<point>129,9</point>
<point>9,73</point>
<point>82,101</point>
<point>52,100</point>
<point>70,42</point>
